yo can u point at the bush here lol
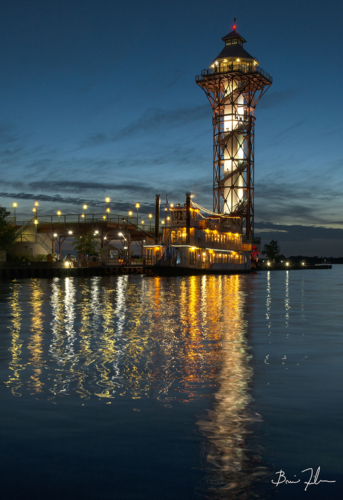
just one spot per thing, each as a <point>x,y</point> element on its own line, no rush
<point>7,231</point>
<point>40,258</point>
<point>28,257</point>
<point>18,258</point>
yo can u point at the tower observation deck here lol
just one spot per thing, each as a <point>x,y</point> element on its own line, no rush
<point>233,84</point>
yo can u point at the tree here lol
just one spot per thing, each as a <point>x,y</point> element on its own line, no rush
<point>86,243</point>
<point>7,231</point>
<point>271,250</point>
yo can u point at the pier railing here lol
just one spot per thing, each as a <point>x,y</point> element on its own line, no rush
<point>66,219</point>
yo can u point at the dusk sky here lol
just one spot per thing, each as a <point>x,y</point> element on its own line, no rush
<point>98,98</point>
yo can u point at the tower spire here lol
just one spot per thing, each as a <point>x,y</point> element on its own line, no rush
<point>234,24</point>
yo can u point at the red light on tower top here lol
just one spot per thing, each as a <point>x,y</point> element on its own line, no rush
<point>234,24</point>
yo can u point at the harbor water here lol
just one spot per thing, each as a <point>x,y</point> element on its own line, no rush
<point>201,387</point>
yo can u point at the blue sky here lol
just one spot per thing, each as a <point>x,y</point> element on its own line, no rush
<point>98,98</point>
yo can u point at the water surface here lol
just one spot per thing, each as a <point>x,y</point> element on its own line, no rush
<point>134,387</point>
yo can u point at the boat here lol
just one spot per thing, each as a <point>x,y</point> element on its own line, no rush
<point>194,244</point>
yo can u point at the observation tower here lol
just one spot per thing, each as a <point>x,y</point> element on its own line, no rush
<point>233,84</point>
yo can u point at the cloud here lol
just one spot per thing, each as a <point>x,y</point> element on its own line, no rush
<point>95,140</point>
<point>300,232</point>
<point>270,230</point>
<point>298,202</point>
<point>283,133</point>
<point>152,119</point>
<point>10,143</point>
<point>77,186</point>
<point>274,99</point>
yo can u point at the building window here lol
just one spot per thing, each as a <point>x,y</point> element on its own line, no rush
<point>173,236</point>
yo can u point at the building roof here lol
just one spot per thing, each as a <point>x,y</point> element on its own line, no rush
<point>235,51</point>
<point>233,34</point>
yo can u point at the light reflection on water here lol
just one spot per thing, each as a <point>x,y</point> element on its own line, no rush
<point>96,336</point>
<point>131,337</point>
<point>199,357</point>
<point>229,421</point>
<point>15,366</point>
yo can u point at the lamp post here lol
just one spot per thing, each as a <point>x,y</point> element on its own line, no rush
<point>150,217</point>
<point>85,209</point>
<point>54,236</point>
<point>59,215</point>
<point>107,206</point>
<point>137,206</point>
<point>15,215</point>
<point>130,215</point>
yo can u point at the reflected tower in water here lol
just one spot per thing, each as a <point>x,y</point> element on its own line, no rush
<point>233,466</point>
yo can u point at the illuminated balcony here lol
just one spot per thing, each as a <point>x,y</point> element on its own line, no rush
<point>245,69</point>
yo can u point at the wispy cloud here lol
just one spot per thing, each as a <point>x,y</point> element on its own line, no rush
<point>77,186</point>
<point>152,119</point>
<point>274,99</point>
<point>300,232</point>
<point>270,230</point>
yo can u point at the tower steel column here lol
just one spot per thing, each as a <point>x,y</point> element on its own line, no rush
<point>233,85</point>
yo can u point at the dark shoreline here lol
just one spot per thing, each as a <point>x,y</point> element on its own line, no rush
<point>16,270</point>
